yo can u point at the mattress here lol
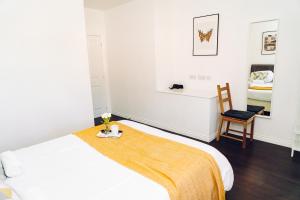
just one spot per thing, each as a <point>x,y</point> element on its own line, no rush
<point>265,104</point>
<point>261,95</point>
<point>67,168</point>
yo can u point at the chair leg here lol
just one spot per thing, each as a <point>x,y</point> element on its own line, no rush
<point>252,130</point>
<point>228,126</point>
<point>245,136</point>
<point>220,129</point>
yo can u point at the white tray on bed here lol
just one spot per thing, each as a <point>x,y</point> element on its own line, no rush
<point>109,135</point>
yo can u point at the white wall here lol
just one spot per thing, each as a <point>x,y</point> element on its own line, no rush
<point>44,80</point>
<point>174,44</point>
<point>255,42</point>
<point>138,34</point>
<point>284,101</point>
<point>94,20</point>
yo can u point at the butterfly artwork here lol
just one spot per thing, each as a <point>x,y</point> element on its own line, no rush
<point>206,31</point>
<point>205,36</point>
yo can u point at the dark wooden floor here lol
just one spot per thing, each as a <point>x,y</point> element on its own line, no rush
<point>263,171</point>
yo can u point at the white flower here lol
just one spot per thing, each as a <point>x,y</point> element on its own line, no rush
<point>106,115</point>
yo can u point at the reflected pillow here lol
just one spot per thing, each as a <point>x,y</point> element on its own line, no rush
<point>2,174</point>
<point>11,165</point>
<point>266,76</point>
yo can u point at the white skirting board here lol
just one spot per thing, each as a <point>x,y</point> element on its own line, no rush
<point>286,142</point>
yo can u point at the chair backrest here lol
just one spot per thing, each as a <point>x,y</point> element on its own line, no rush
<point>227,98</point>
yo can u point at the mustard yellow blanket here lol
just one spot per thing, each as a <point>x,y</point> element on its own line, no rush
<point>260,88</point>
<point>186,172</point>
<point>7,192</point>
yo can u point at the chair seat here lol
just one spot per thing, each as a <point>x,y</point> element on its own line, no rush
<point>237,114</point>
<point>255,109</point>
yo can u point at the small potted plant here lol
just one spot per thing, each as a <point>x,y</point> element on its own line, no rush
<point>106,118</point>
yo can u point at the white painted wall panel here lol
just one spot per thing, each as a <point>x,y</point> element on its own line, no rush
<point>137,47</point>
<point>44,79</point>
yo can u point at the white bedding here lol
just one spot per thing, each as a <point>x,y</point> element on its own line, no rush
<point>261,84</point>
<point>69,169</point>
<point>261,95</point>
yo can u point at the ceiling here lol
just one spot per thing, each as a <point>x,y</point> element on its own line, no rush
<point>103,4</point>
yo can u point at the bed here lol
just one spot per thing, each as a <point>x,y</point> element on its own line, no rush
<point>68,168</point>
<point>260,91</point>
<point>260,95</point>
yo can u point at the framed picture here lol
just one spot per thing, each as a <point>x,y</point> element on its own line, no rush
<point>269,42</point>
<point>205,37</point>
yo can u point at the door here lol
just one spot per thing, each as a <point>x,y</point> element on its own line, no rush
<point>97,75</point>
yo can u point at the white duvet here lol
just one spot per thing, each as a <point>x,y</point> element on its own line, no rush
<point>69,169</point>
<point>260,95</point>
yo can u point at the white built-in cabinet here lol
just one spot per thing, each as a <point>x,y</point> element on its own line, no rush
<point>200,113</point>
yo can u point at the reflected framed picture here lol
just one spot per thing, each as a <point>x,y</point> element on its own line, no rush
<point>269,42</point>
<point>205,35</point>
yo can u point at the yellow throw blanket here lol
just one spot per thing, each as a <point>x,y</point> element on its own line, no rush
<point>7,192</point>
<point>260,88</point>
<point>186,172</point>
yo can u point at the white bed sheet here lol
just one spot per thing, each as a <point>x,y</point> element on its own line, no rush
<point>263,84</point>
<point>69,169</point>
<point>261,95</point>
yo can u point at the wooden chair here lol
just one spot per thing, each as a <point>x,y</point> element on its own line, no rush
<point>243,118</point>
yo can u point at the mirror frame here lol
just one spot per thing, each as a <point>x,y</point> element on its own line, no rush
<point>249,63</point>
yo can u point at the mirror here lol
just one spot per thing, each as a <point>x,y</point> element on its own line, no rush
<point>261,63</point>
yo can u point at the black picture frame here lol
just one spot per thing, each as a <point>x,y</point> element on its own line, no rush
<point>218,27</point>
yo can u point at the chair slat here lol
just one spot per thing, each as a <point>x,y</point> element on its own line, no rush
<point>223,89</point>
<point>233,138</point>
<point>237,131</point>
<point>225,100</point>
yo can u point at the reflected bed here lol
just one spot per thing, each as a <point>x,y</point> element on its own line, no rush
<point>261,86</point>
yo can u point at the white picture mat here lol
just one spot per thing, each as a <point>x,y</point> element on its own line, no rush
<point>205,24</point>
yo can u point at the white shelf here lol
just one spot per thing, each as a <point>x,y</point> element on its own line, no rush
<point>207,94</point>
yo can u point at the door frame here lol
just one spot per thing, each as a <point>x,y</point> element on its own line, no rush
<point>105,71</point>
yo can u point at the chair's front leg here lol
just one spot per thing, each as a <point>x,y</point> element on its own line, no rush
<point>245,136</point>
<point>220,129</point>
<point>252,130</point>
<point>228,126</point>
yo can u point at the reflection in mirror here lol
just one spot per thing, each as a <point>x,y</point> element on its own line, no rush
<point>261,62</point>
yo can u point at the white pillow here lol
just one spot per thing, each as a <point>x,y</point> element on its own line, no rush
<point>270,76</point>
<point>11,165</point>
<point>32,193</point>
<point>2,174</point>
<point>266,76</point>
<point>258,82</point>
